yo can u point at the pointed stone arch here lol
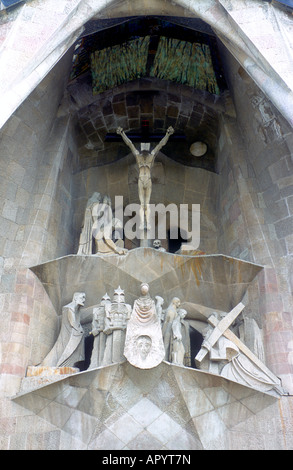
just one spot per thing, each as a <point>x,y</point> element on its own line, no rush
<point>37,36</point>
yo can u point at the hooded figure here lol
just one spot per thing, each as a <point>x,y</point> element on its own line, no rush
<point>69,347</point>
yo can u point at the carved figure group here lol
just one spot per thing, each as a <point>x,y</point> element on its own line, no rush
<point>99,228</point>
<point>146,334</point>
<point>108,328</point>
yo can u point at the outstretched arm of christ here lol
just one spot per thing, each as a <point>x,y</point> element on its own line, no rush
<point>163,142</point>
<point>127,141</point>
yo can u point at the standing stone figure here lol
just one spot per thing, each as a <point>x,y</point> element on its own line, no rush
<point>170,315</point>
<point>98,325</point>
<point>98,227</point>
<point>116,318</point>
<point>102,231</point>
<point>145,161</point>
<point>180,340</point>
<point>69,347</point>
<point>250,334</point>
<point>144,347</point>
<point>159,308</point>
<point>86,237</point>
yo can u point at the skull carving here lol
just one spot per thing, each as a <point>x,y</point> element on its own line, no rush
<point>157,244</point>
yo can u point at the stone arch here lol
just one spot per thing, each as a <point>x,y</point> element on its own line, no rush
<point>64,29</point>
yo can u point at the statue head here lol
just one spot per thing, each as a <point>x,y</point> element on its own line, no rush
<point>105,299</point>
<point>144,288</point>
<point>145,148</point>
<point>107,200</point>
<point>176,302</point>
<point>119,296</point>
<point>96,197</point>
<point>79,298</point>
<point>182,313</point>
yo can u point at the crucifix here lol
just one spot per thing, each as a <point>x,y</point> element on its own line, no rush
<point>145,161</point>
<point>222,328</point>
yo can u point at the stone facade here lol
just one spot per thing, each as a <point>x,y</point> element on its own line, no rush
<point>53,157</point>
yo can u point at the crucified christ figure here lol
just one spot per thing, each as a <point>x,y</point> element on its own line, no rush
<point>145,161</point>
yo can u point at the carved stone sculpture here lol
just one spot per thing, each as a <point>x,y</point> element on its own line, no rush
<point>98,325</point>
<point>159,308</point>
<point>144,347</point>
<point>250,334</point>
<point>220,352</point>
<point>117,314</point>
<point>145,161</point>
<point>242,370</point>
<point>180,340</point>
<point>69,347</point>
<point>103,230</point>
<point>242,365</point>
<point>170,315</point>
<point>86,237</point>
<point>98,227</point>
<point>157,244</point>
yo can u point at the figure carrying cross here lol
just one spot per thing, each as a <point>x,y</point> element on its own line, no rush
<point>243,366</point>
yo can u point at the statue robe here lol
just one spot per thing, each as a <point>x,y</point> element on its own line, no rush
<point>69,347</point>
<point>144,323</point>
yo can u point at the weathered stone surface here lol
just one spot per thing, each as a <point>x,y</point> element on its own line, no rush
<point>43,371</point>
<point>135,417</point>
<point>52,152</point>
<point>200,279</point>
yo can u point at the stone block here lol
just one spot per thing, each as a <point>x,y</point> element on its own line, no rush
<point>106,440</point>
<point>271,194</point>
<point>172,111</point>
<point>284,227</point>
<point>279,169</point>
<point>278,210</point>
<point>9,210</point>
<point>119,109</point>
<point>8,228</point>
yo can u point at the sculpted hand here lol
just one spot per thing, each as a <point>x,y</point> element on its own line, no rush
<point>170,130</point>
<point>119,130</point>
<point>121,251</point>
